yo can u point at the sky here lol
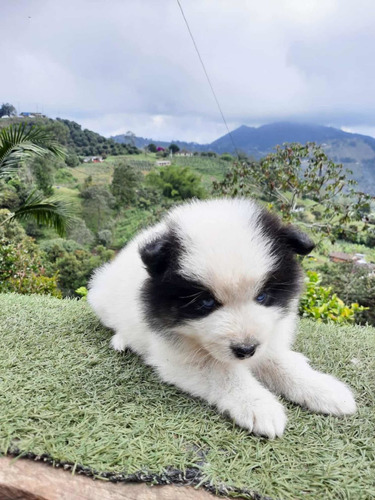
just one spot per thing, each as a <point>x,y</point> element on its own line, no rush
<point>130,65</point>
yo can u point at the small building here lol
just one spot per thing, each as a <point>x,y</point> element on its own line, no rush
<point>183,152</point>
<point>28,114</point>
<point>163,163</point>
<point>359,259</point>
<point>93,159</point>
<point>340,257</point>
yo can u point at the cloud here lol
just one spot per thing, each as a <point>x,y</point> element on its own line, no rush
<point>130,65</point>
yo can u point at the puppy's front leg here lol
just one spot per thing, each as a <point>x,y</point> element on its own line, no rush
<point>232,389</point>
<point>288,373</point>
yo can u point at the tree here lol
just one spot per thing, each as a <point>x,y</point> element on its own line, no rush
<point>130,138</point>
<point>173,148</point>
<point>7,110</point>
<point>152,148</point>
<point>42,171</point>
<point>177,183</point>
<point>97,205</point>
<point>294,174</point>
<point>124,183</point>
<point>17,145</point>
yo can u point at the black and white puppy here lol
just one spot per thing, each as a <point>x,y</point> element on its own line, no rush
<point>209,298</point>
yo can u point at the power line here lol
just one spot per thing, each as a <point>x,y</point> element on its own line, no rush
<point>208,78</point>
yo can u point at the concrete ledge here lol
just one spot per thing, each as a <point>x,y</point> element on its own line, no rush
<point>26,480</point>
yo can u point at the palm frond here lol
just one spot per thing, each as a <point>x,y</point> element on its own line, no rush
<point>17,144</point>
<point>51,212</point>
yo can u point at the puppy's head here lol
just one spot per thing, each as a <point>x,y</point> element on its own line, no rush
<point>223,273</point>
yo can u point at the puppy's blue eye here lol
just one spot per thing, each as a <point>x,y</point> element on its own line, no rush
<point>261,298</point>
<point>208,303</point>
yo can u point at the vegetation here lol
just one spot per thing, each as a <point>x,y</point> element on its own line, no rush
<point>7,109</point>
<point>296,176</point>
<point>116,198</point>
<point>17,146</point>
<point>125,181</point>
<point>21,263</point>
<point>176,183</point>
<point>321,304</point>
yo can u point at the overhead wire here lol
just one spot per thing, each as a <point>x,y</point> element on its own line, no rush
<point>208,78</point>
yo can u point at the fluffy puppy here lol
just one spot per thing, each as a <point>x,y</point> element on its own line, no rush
<point>209,298</point>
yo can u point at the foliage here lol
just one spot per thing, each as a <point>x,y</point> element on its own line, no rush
<point>21,263</point>
<point>354,283</point>
<point>82,292</point>
<point>173,148</point>
<point>124,183</point>
<point>152,148</point>
<point>294,174</point>
<point>7,109</point>
<point>227,157</point>
<point>135,219</point>
<point>104,237</point>
<point>83,142</point>
<point>17,144</point>
<point>73,263</point>
<point>323,305</point>
<point>80,233</point>
<point>50,212</point>
<point>97,206</point>
<point>176,183</point>
<point>72,160</point>
<point>42,171</point>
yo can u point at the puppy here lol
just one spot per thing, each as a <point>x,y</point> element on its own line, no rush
<point>209,298</point>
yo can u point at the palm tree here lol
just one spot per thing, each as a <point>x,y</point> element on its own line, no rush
<point>17,144</point>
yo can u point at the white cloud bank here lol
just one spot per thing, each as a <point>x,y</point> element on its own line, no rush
<point>122,65</point>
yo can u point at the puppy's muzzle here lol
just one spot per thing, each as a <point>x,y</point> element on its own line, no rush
<point>242,351</point>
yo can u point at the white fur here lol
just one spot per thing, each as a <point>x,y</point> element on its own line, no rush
<point>228,252</point>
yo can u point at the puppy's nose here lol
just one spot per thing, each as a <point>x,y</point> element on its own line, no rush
<point>242,351</point>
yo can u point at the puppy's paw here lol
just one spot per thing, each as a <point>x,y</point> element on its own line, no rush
<point>330,396</point>
<point>264,417</point>
<point>118,342</point>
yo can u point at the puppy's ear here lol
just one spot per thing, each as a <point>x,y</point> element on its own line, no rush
<point>298,241</point>
<point>156,254</point>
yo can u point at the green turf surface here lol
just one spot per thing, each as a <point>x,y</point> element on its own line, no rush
<point>65,393</point>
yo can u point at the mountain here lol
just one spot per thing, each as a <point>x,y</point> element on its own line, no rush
<point>261,140</point>
<point>355,151</point>
<point>141,142</point>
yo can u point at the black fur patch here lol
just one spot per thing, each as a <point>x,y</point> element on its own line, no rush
<point>168,298</point>
<point>285,280</point>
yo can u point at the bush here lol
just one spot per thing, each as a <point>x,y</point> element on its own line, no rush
<point>73,263</point>
<point>21,263</point>
<point>124,183</point>
<point>321,304</point>
<point>354,284</point>
<point>176,183</point>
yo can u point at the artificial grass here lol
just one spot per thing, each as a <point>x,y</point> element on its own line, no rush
<point>65,393</point>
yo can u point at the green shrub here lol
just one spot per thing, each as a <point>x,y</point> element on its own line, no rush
<point>321,304</point>
<point>176,183</point>
<point>73,263</point>
<point>22,267</point>
<point>354,283</point>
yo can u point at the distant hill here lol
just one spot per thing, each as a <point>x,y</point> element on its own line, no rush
<point>77,140</point>
<point>141,142</point>
<point>355,151</point>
